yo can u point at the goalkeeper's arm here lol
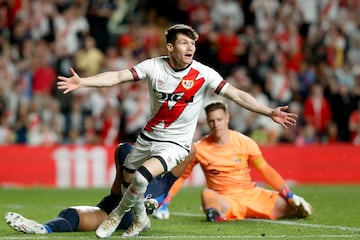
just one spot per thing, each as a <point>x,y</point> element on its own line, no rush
<point>276,181</point>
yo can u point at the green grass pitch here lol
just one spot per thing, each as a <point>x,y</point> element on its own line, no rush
<point>336,215</point>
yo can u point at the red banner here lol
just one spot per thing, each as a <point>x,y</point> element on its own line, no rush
<point>93,166</point>
<point>62,166</point>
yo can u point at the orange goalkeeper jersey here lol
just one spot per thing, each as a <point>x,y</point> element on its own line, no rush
<point>227,167</point>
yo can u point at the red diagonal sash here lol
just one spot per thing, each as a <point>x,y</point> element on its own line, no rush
<point>188,86</point>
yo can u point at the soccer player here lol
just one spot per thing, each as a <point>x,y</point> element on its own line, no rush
<point>88,218</point>
<point>230,193</point>
<point>177,86</point>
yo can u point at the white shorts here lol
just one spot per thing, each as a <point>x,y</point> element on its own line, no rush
<point>143,150</point>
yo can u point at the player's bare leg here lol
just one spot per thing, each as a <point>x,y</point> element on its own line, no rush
<point>132,198</point>
<point>214,205</point>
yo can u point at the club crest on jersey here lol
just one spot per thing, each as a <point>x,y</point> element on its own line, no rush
<point>238,159</point>
<point>187,84</point>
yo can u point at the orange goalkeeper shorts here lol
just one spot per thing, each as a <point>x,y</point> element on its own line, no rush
<point>251,203</point>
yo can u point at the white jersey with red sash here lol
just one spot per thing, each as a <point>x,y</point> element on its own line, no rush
<point>177,97</point>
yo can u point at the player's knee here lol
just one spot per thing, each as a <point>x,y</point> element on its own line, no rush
<point>208,196</point>
<point>121,152</point>
<point>141,179</point>
<point>72,216</point>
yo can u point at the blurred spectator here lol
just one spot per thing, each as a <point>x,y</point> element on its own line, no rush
<point>309,10</point>
<point>290,44</point>
<point>354,125</point>
<point>42,135</point>
<point>305,79</point>
<point>41,24</point>
<point>151,44</point>
<point>44,74</point>
<point>228,47</point>
<point>89,133</point>
<point>307,136</point>
<point>332,133</point>
<point>353,53</point>
<point>110,131</point>
<point>289,135</point>
<point>52,117</point>
<point>199,19</point>
<point>74,119</point>
<point>356,88</point>
<point>70,28</point>
<point>265,12</point>
<point>98,16</point>
<point>260,61</point>
<point>6,132</point>
<point>335,43</point>
<point>344,76</point>
<point>88,60</point>
<point>230,10</point>
<point>258,123</point>
<point>342,104</point>
<point>21,124</point>
<point>317,111</point>
<point>280,84</point>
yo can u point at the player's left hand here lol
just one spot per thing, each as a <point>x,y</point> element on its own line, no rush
<point>302,207</point>
<point>285,119</point>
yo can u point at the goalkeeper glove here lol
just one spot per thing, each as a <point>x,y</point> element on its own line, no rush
<point>302,207</point>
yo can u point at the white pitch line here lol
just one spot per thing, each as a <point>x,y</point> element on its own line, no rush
<point>30,237</point>
<point>279,222</point>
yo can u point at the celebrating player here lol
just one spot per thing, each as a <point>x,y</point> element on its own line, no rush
<point>230,193</point>
<point>177,86</point>
<point>88,218</point>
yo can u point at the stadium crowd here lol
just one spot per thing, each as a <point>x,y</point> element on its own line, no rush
<point>301,53</point>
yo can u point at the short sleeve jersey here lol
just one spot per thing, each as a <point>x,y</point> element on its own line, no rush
<point>176,97</point>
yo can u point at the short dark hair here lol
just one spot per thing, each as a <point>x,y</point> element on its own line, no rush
<point>215,105</point>
<point>171,32</point>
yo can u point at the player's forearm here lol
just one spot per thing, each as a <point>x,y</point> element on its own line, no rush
<point>248,102</point>
<point>105,79</point>
<point>272,177</point>
<point>176,187</point>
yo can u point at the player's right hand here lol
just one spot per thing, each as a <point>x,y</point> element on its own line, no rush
<point>69,84</point>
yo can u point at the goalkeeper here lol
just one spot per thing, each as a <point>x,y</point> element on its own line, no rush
<point>88,218</point>
<point>225,157</point>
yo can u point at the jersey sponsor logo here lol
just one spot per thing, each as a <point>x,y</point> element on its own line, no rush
<point>182,96</point>
<point>214,172</point>
<point>175,97</point>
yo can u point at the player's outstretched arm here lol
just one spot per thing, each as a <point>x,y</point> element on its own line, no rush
<point>106,79</point>
<point>247,101</point>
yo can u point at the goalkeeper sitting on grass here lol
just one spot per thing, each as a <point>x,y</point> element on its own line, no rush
<point>226,157</point>
<point>88,218</point>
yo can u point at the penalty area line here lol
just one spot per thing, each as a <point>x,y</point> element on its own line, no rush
<point>30,237</point>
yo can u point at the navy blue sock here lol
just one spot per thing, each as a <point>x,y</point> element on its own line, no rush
<point>66,221</point>
<point>159,187</point>
<point>126,221</point>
